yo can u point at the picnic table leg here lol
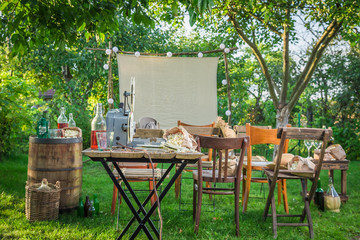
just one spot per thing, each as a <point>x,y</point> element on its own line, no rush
<point>162,195</point>
<point>149,197</point>
<point>141,207</point>
<point>343,183</point>
<point>126,199</point>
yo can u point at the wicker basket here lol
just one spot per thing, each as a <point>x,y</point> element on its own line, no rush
<point>42,204</point>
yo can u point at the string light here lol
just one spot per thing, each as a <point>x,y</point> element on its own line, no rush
<point>228,112</point>
<point>137,54</point>
<point>106,66</point>
<point>169,54</point>
<point>115,49</point>
<point>108,51</point>
<point>110,101</point>
<point>224,82</point>
<point>227,50</point>
<point>222,46</point>
<point>200,54</point>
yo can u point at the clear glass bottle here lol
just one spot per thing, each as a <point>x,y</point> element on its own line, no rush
<point>98,124</point>
<point>332,199</point>
<point>71,121</point>
<point>62,120</point>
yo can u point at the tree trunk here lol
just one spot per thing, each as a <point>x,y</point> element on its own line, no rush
<point>65,70</point>
<point>282,116</point>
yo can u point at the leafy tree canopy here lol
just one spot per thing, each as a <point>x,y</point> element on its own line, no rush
<point>31,23</point>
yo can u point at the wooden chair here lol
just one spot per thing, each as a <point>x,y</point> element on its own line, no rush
<point>273,175</point>
<point>261,135</point>
<point>194,129</point>
<point>221,148</point>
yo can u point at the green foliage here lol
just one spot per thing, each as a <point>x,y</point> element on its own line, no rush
<point>18,116</point>
<point>29,24</point>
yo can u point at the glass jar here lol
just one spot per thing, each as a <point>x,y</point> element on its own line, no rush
<point>62,120</point>
<point>98,124</point>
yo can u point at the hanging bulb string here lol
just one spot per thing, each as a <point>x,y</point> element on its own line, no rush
<point>164,54</point>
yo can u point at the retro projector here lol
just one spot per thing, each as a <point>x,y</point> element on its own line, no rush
<point>121,121</point>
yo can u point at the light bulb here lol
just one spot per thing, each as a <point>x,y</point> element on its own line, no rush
<point>222,46</point>
<point>115,49</point>
<point>108,51</point>
<point>227,50</point>
<point>228,112</point>
<point>106,66</point>
<point>169,54</point>
<point>224,82</point>
<point>137,54</point>
<point>200,54</point>
<point>110,101</point>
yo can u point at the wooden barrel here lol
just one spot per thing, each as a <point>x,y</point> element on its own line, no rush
<point>57,159</point>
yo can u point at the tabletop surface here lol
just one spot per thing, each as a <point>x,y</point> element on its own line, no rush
<point>140,153</point>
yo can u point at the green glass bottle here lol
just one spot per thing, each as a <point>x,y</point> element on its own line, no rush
<point>319,196</point>
<point>96,204</point>
<point>80,209</point>
<point>42,128</point>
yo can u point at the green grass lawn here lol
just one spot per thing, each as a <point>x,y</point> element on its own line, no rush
<point>215,223</point>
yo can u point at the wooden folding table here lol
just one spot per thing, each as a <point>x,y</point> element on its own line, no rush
<point>157,156</point>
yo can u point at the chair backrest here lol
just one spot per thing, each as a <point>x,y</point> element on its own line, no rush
<point>284,134</point>
<point>262,135</point>
<point>221,148</point>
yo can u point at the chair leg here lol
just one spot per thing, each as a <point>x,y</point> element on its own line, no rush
<point>198,210</point>
<point>208,185</point>
<point>243,186</point>
<point>114,200</point>
<point>151,187</point>
<point>194,199</point>
<point>247,190</point>
<point>274,218</point>
<point>307,208</point>
<point>279,191</point>
<point>177,186</point>
<point>285,199</point>
<point>237,198</point>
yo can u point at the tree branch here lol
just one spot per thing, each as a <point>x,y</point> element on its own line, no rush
<point>252,93</point>
<point>306,75</point>
<point>312,55</point>
<point>258,56</point>
<point>286,62</point>
<point>270,27</point>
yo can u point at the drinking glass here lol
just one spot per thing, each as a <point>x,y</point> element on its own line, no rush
<point>104,140</point>
<point>308,145</point>
<point>317,144</point>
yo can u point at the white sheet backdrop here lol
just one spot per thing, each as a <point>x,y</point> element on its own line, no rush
<point>171,89</point>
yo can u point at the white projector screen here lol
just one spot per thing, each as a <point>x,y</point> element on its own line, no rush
<point>171,89</point>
